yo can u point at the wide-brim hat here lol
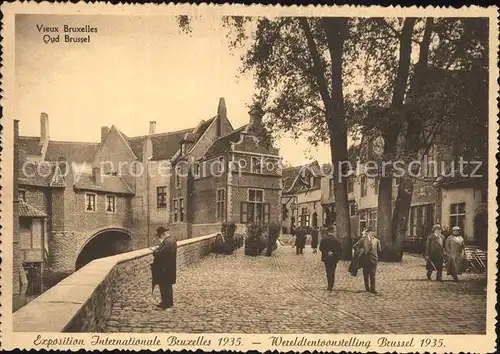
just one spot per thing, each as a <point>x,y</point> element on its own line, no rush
<point>160,230</point>
<point>436,227</point>
<point>456,228</point>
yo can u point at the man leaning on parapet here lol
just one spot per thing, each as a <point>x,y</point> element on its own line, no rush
<point>164,267</point>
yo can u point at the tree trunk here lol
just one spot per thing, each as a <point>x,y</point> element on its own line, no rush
<point>412,148</point>
<point>391,251</point>
<point>339,153</point>
<point>384,206</point>
<point>336,28</point>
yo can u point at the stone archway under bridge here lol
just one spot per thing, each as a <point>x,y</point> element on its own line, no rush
<point>104,243</point>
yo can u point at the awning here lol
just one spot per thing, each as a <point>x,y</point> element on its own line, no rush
<point>27,210</point>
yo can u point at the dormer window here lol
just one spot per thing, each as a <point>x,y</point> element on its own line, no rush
<point>22,195</point>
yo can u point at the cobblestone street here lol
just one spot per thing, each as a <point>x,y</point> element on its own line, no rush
<point>287,293</point>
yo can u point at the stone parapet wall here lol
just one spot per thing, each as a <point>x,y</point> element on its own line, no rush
<point>82,302</point>
<point>204,229</point>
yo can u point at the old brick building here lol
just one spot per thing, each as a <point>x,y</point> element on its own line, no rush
<point>84,200</point>
<point>225,174</point>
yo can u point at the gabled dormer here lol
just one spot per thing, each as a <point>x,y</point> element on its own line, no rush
<point>187,143</point>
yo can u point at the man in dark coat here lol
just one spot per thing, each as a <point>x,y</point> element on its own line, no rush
<point>371,248</point>
<point>331,251</point>
<point>300,241</point>
<point>164,267</point>
<point>314,239</point>
<point>434,253</point>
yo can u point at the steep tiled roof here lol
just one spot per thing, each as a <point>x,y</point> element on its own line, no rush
<point>223,143</point>
<point>30,145</point>
<point>294,184</point>
<point>202,127</point>
<point>27,210</point>
<point>78,152</point>
<point>35,175</point>
<point>165,145</point>
<point>111,184</point>
<point>40,175</point>
<point>288,176</point>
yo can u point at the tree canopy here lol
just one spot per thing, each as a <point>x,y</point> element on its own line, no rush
<point>404,81</point>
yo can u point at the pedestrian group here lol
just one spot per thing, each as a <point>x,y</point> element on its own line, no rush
<point>438,250</point>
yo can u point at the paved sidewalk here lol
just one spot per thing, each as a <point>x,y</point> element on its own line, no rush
<point>286,293</point>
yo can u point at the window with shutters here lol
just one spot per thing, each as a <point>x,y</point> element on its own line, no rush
<point>176,210</point>
<point>90,202</point>
<point>161,197</point>
<point>305,217</point>
<point>110,203</point>
<point>421,219</point>
<point>255,210</point>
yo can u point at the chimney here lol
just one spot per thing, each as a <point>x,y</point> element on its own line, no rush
<point>96,173</point>
<point>255,121</point>
<point>221,114</point>
<point>104,133</point>
<point>44,128</point>
<point>221,110</point>
<point>152,127</point>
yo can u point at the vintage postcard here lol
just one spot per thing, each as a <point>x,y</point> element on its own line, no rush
<point>227,177</point>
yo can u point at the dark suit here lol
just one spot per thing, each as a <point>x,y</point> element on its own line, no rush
<point>434,252</point>
<point>165,269</point>
<point>314,239</point>
<point>330,254</point>
<point>300,241</point>
<point>371,248</point>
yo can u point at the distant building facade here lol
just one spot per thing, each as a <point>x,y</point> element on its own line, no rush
<point>301,201</point>
<point>82,200</point>
<point>449,201</point>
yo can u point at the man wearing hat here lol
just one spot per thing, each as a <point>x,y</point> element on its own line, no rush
<point>300,241</point>
<point>455,247</point>
<point>164,266</point>
<point>371,248</point>
<point>330,254</point>
<point>434,253</point>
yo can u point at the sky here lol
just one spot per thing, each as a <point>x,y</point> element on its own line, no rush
<point>135,69</point>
